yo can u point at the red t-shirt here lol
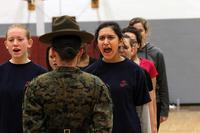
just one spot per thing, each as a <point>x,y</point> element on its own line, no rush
<point>149,67</point>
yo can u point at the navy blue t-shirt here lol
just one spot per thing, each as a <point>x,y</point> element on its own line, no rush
<point>127,85</point>
<point>13,78</point>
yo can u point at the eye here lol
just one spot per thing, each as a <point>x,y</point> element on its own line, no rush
<point>140,30</point>
<point>51,56</point>
<point>10,39</point>
<point>101,38</point>
<point>20,39</point>
<point>125,47</point>
<point>110,37</point>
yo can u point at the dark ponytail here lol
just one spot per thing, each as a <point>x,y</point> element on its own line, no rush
<point>67,46</point>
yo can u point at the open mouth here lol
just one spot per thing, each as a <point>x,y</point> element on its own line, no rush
<point>107,50</point>
<point>16,50</point>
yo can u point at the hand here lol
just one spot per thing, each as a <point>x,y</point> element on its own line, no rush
<point>163,118</point>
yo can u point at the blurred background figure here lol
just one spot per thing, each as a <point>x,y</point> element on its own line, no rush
<point>132,43</point>
<point>85,59</point>
<point>50,61</point>
<point>154,54</point>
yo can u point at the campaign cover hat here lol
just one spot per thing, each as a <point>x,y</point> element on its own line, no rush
<point>63,26</point>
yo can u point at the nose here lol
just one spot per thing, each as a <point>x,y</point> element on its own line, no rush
<point>106,41</point>
<point>15,42</point>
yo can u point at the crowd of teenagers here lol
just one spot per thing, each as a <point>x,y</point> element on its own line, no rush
<point>123,91</point>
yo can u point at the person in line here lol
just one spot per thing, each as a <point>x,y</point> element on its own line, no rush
<point>125,79</point>
<point>67,99</point>
<point>132,43</point>
<point>14,74</point>
<point>85,59</point>
<point>151,52</point>
<point>50,61</point>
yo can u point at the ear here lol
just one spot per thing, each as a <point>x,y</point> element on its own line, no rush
<point>30,43</point>
<point>80,52</point>
<point>5,43</point>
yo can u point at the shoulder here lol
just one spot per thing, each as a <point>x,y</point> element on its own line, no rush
<point>38,67</point>
<point>91,60</point>
<point>4,68</point>
<point>93,67</point>
<point>154,49</point>
<point>4,64</point>
<point>41,79</point>
<point>40,86</point>
<point>131,65</point>
<point>146,61</point>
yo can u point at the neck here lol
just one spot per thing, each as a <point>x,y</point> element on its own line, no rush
<point>136,59</point>
<point>69,63</point>
<point>118,59</point>
<point>19,61</point>
<point>83,62</point>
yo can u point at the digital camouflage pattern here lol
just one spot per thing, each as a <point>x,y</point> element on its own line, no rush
<point>67,98</point>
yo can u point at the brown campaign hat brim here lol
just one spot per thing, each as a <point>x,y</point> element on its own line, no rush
<point>48,37</point>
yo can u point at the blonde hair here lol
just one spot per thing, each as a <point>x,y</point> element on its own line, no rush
<point>28,34</point>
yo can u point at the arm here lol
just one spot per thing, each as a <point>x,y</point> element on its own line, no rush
<point>103,115</point>
<point>163,87</point>
<point>144,116</point>
<point>32,111</point>
<point>153,106</point>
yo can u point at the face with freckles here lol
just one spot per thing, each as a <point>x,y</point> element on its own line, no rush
<point>108,43</point>
<point>17,43</point>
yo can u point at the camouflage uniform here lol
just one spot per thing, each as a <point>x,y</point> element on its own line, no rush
<point>67,98</point>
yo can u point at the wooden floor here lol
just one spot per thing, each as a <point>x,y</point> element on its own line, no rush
<point>183,120</point>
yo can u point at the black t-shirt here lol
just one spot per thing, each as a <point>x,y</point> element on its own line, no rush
<point>127,85</point>
<point>13,78</point>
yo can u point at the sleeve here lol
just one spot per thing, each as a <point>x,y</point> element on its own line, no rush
<point>148,81</point>
<point>102,112</point>
<point>32,110</point>
<point>163,86</point>
<point>141,94</point>
<point>153,72</point>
